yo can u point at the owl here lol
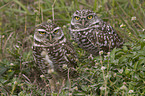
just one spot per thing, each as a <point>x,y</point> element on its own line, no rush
<point>53,53</point>
<point>93,34</point>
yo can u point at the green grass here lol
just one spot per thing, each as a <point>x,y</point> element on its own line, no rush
<point>118,73</point>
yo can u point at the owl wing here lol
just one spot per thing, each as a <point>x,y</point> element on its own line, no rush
<point>106,37</point>
<point>40,62</point>
<point>37,55</point>
<point>70,54</point>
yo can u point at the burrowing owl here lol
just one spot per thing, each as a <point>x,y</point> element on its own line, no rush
<point>92,34</point>
<point>54,55</point>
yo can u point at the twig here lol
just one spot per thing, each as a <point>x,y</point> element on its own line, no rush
<point>6,4</point>
<point>63,83</point>
<point>7,41</point>
<point>88,80</point>
<point>69,81</point>
<point>53,9</point>
<point>5,87</point>
<point>26,78</point>
<point>42,14</point>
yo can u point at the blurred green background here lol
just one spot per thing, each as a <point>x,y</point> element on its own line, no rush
<point>119,73</point>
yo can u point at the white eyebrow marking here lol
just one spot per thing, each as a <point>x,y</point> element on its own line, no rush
<point>56,28</point>
<point>41,30</point>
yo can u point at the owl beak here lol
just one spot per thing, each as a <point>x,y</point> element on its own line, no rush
<point>50,37</point>
<point>83,22</point>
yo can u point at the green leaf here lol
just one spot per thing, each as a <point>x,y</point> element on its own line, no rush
<point>125,49</point>
<point>127,70</point>
<point>135,65</point>
<point>112,54</point>
<point>123,59</point>
<point>119,54</point>
<point>2,70</point>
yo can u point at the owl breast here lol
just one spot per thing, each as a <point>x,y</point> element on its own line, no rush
<point>54,58</point>
<point>40,56</point>
<point>96,39</point>
<point>60,57</point>
<point>86,41</point>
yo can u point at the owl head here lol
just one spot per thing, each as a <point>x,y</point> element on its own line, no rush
<point>48,34</point>
<point>84,18</point>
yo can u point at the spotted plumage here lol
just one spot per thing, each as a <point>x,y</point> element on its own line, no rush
<point>92,34</point>
<point>53,54</point>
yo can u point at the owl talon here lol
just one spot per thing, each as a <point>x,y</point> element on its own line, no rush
<point>91,57</point>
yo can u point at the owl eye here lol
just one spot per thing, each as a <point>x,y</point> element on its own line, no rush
<point>56,31</point>
<point>42,32</point>
<point>90,17</point>
<point>77,18</point>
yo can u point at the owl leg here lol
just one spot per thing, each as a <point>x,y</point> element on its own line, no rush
<point>52,85</point>
<point>61,85</point>
<point>56,85</point>
<point>91,57</point>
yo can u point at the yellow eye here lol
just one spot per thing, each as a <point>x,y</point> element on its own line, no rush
<point>56,31</point>
<point>77,18</point>
<point>90,17</point>
<point>42,32</point>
